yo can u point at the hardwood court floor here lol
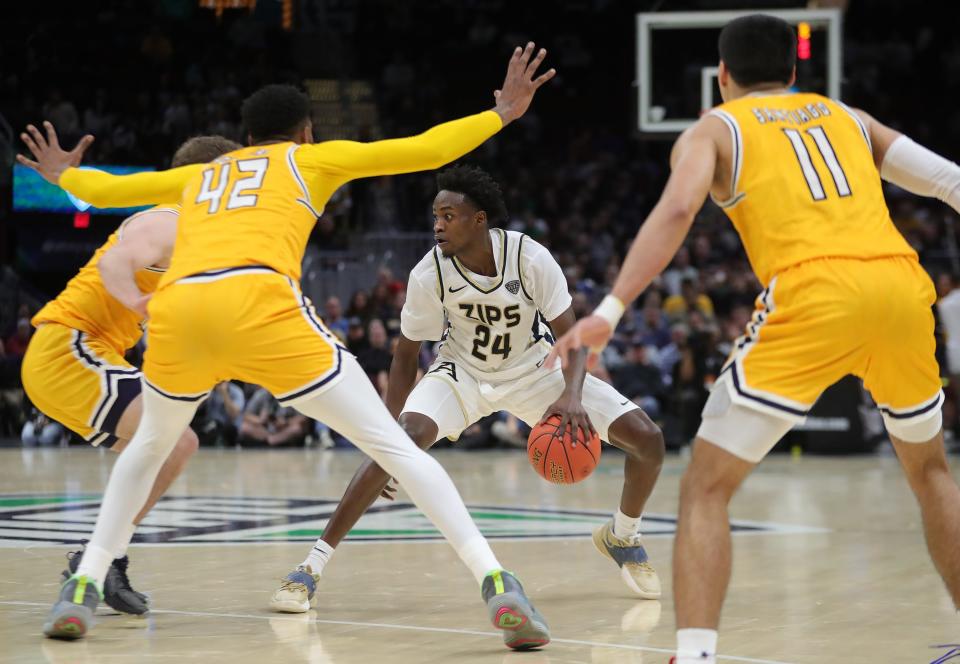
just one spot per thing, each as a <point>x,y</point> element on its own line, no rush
<point>830,566</point>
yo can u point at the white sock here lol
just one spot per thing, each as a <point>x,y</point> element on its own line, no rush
<point>625,526</point>
<point>696,646</point>
<point>319,556</point>
<point>353,408</point>
<point>122,549</point>
<point>95,563</point>
<point>477,555</point>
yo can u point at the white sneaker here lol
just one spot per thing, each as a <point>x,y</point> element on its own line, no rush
<point>297,591</point>
<point>631,557</point>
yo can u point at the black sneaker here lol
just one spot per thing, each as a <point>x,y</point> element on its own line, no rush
<point>510,610</point>
<point>117,592</point>
<point>72,615</point>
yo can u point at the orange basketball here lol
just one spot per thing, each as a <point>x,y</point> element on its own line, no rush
<point>553,455</point>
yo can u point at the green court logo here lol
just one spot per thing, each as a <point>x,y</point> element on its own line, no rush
<point>67,519</point>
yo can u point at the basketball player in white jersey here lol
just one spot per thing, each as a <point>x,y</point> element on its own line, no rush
<point>489,294</point>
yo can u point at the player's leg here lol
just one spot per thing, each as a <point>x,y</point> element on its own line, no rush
<point>904,379</point>
<point>185,448</point>
<point>642,441</point>
<point>433,410</point>
<point>371,480</point>
<point>353,407</point>
<point>297,591</point>
<point>162,423</point>
<point>731,440</point>
<point>619,539</point>
<point>621,423</point>
<point>924,461</point>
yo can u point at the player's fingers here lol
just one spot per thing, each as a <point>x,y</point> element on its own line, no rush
<point>82,146</point>
<point>29,142</point>
<point>536,62</point>
<point>515,60</point>
<point>587,426</point>
<point>36,136</point>
<point>51,134</point>
<point>527,52</point>
<point>496,95</point>
<point>544,77</point>
<point>564,424</point>
<point>28,162</point>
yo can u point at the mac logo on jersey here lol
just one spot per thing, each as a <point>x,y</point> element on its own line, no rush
<point>513,287</point>
<point>51,518</point>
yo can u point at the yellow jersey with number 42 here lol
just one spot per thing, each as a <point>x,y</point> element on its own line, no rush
<point>804,183</point>
<point>248,207</point>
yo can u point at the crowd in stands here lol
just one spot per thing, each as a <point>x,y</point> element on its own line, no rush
<point>575,177</point>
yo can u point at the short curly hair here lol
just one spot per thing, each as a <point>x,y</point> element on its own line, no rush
<point>478,187</point>
<point>274,112</point>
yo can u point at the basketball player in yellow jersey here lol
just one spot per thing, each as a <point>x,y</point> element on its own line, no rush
<point>74,368</point>
<point>230,306</point>
<point>799,176</point>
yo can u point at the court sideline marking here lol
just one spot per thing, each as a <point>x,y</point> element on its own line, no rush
<point>419,628</point>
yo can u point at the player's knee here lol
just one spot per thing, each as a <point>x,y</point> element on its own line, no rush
<point>188,444</point>
<point>700,484</point>
<point>420,429</point>
<point>640,437</point>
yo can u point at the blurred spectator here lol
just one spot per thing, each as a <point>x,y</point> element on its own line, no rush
<point>375,358</point>
<point>359,306</point>
<point>640,380</point>
<point>222,414</point>
<point>16,344</point>
<point>40,430</point>
<point>266,422</point>
<point>62,113</point>
<point>690,299</point>
<point>333,317</point>
<point>356,336</point>
<point>680,269</point>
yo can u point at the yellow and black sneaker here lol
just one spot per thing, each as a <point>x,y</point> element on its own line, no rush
<point>510,610</point>
<point>72,615</point>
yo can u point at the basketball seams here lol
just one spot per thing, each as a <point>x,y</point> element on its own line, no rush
<point>562,469</point>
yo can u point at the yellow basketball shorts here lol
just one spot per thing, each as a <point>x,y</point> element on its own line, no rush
<point>248,323</point>
<point>821,320</point>
<point>79,380</point>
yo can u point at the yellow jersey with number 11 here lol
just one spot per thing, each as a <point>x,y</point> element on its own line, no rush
<point>804,184</point>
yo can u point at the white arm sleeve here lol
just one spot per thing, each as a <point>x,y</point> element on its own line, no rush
<point>422,317</point>
<point>544,280</point>
<point>921,171</point>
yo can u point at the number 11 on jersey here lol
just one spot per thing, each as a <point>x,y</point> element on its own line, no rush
<point>825,148</point>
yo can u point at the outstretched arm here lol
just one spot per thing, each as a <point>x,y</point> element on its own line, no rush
<point>912,166</point>
<point>58,166</point>
<point>693,163</point>
<point>145,242</point>
<point>441,144</point>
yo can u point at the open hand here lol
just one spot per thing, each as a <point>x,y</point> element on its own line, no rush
<point>51,159</point>
<point>519,86</point>
<point>572,416</point>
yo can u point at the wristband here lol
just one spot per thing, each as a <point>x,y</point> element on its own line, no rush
<point>610,310</point>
